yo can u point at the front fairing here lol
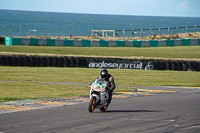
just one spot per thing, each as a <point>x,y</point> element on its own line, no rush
<point>99,85</point>
<point>99,89</point>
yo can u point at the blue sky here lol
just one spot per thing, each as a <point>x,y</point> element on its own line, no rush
<point>188,8</point>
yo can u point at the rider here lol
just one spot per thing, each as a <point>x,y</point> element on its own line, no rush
<point>111,84</point>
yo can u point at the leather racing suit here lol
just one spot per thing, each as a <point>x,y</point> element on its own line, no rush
<point>111,85</point>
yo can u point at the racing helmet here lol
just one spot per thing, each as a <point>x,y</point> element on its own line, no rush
<point>104,73</point>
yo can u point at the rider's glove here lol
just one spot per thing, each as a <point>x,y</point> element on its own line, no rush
<point>89,85</point>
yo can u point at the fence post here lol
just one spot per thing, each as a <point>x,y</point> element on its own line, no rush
<point>133,33</point>
<point>195,28</point>
<point>177,30</point>
<point>159,31</point>
<point>102,33</point>
<point>168,31</point>
<point>186,30</point>
<point>141,33</point>
<point>92,32</point>
<point>113,33</point>
<point>123,33</point>
<point>150,32</point>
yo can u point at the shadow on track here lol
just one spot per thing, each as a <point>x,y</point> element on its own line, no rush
<point>126,111</point>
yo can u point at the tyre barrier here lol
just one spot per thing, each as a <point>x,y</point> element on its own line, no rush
<point>91,62</point>
<point>2,40</point>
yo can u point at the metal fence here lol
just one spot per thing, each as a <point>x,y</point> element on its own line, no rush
<point>145,32</point>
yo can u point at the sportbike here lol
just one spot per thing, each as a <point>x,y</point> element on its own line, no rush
<point>98,95</point>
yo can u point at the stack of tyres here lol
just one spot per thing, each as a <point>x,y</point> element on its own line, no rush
<point>71,61</point>
<point>7,60</point>
<point>46,61</point>
<point>96,59</point>
<point>167,65</point>
<point>30,61</point>
<point>38,61</point>
<point>162,65</point>
<point>194,65</point>
<point>84,62</point>
<point>58,62</point>
<point>52,61</point>
<point>77,62</point>
<point>190,66</point>
<point>184,66</point>
<point>13,60</point>
<point>55,62</point>
<point>63,61</point>
<point>42,63</point>
<point>80,62</point>
<point>173,65</point>
<point>156,65</point>
<point>2,40</point>
<point>24,61</point>
<point>178,66</point>
<point>19,61</point>
<point>35,61</point>
<point>87,61</point>
<point>67,61</point>
<point>1,60</point>
<point>198,66</point>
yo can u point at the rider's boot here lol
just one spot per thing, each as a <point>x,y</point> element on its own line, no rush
<point>109,99</point>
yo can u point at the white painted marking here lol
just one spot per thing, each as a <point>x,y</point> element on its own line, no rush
<point>130,119</point>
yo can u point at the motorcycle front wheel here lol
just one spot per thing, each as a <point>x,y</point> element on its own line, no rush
<point>92,104</point>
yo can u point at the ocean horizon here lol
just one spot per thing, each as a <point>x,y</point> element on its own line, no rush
<point>22,23</point>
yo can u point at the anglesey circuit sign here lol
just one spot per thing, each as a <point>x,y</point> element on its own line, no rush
<point>122,65</point>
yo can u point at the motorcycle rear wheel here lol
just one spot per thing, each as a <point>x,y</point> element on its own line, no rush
<point>92,104</point>
<point>103,109</point>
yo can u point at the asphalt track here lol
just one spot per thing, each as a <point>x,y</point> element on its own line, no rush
<point>163,113</point>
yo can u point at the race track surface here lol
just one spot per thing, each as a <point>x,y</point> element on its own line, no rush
<point>161,113</point>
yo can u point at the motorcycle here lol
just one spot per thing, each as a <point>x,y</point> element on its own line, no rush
<point>98,95</point>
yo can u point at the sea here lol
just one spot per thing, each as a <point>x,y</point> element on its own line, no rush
<point>22,23</point>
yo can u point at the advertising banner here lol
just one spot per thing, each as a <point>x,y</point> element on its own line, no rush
<point>120,64</point>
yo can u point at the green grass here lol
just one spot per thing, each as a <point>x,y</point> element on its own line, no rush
<point>87,75</point>
<point>188,52</point>
<point>7,99</point>
<point>14,91</point>
<point>29,90</point>
<point>32,90</point>
<point>10,91</point>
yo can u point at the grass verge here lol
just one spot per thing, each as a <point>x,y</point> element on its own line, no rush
<point>179,52</point>
<point>30,90</point>
<point>14,91</point>
<point>87,75</point>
